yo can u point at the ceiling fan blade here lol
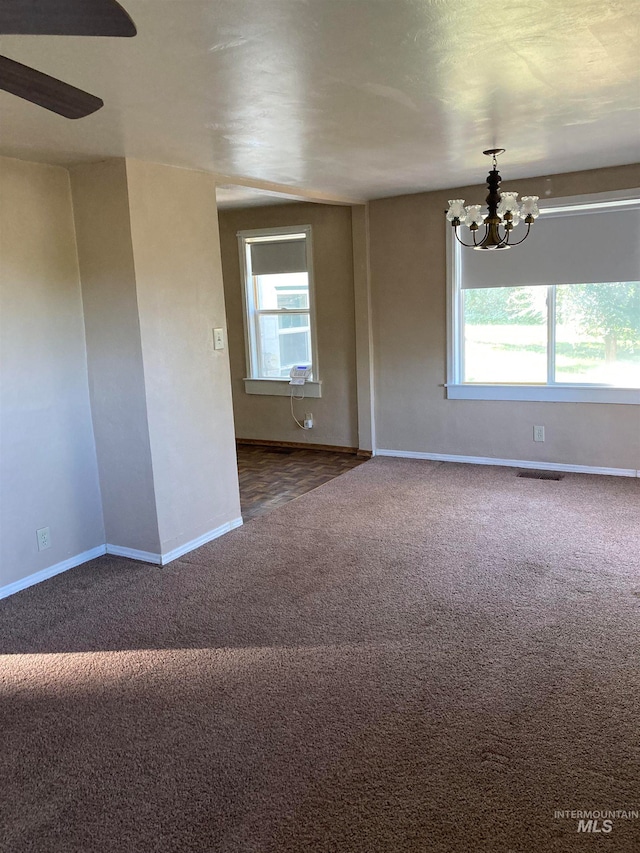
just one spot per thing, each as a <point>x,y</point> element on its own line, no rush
<point>64,18</point>
<point>47,92</point>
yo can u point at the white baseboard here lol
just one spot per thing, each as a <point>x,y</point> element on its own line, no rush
<point>51,571</point>
<point>117,551</point>
<point>169,556</point>
<point>512,463</point>
<point>134,554</point>
<point>200,540</point>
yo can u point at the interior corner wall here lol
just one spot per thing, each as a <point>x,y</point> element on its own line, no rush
<point>408,283</point>
<point>48,471</point>
<point>114,349</point>
<point>335,413</point>
<point>176,249</point>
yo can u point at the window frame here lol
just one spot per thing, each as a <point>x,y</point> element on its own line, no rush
<point>254,382</point>
<point>458,389</point>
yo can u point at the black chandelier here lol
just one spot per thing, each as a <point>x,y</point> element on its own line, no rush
<point>504,213</point>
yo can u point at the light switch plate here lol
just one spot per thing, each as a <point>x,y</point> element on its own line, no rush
<point>218,338</point>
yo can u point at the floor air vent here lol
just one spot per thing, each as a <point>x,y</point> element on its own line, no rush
<point>540,475</point>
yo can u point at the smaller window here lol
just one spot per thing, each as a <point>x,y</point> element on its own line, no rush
<point>278,298</point>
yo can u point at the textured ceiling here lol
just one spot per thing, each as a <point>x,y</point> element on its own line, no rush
<point>352,98</point>
<point>230,195</point>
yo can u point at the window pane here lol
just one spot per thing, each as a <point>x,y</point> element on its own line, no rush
<point>285,340</point>
<point>294,349</point>
<point>505,335</point>
<point>284,290</point>
<point>598,333</point>
<point>293,321</point>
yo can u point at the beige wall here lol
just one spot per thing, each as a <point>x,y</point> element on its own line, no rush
<point>408,280</point>
<point>180,295</point>
<point>48,472</point>
<point>117,382</point>
<point>152,279</point>
<point>335,414</point>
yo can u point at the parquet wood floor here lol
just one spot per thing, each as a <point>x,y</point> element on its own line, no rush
<point>271,476</point>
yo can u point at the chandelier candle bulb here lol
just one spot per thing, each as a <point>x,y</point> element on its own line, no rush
<point>530,206</point>
<point>509,209</point>
<point>456,210</point>
<point>473,217</point>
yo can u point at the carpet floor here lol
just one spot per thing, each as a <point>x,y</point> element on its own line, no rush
<point>414,657</point>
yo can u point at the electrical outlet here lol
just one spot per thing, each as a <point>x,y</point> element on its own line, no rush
<point>538,433</point>
<point>218,338</point>
<point>44,538</point>
<point>308,420</point>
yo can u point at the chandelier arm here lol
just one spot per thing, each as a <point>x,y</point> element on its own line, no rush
<point>462,243</point>
<point>484,237</point>
<point>525,236</point>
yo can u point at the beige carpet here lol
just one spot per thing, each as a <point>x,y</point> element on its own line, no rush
<point>413,657</point>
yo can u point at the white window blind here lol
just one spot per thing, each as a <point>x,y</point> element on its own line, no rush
<point>278,257</point>
<point>564,247</point>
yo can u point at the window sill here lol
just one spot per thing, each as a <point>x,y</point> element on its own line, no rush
<point>281,388</point>
<point>545,393</point>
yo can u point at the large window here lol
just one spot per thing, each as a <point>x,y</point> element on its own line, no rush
<point>557,318</point>
<point>278,301</point>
